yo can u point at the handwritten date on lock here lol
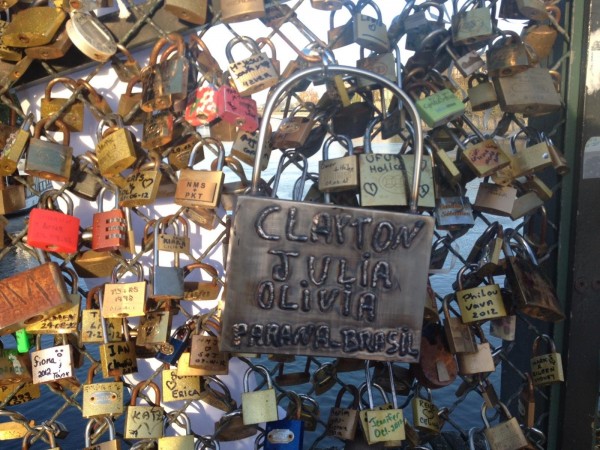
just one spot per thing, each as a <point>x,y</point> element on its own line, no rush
<point>331,280</point>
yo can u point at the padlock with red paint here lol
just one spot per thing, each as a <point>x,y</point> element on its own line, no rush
<point>249,111</point>
<point>228,106</point>
<point>109,228</point>
<point>52,230</point>
<point>202,109</point>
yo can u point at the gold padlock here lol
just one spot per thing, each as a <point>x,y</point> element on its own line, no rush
<point>258,406</point>
<point>144,422</point>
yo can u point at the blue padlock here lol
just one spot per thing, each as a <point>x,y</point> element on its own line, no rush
<point>170,352</point>
<point>288,433</point>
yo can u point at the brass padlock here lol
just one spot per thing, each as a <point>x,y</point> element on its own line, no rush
<point>474,25</point>
<point>14,146</point>
<point>542,36</point>
<point>425,413</point>
<point>338,174</point>
<point>482,95</point>
<point>481,361</point>
<point>142,185</point>
<point>33,26</point>
<point>343,35</point>
<point>205,354</point>
<point>369,32</point>
<point>201,290</point>
<point>252,74</point>
<point>128,69</point>
<point>233,11</point>
<point>129,104</point>
<point>507,56</point>
<point>72,115</point>
<point>12,197</point>
<point>101,399</point>
<point>177,387</point>
<point>531,92</point>
<point>505,435</point>
<point>546,368</point>
<point>193,12</point>
<point>125,299</point>
<point>200,188</point>
<point>56,49</point>
<point>343,422</point>
<point>478,304</point>
<point>230,427</point>
<point>459,335</point>
<point>179,442</point>
<point>258,406</point>
<point>144,422</point>
<point>99,106</point>
<point>52,364</point>
<point>495,199</point>
<point>115,150</point>
<point>91,326</point>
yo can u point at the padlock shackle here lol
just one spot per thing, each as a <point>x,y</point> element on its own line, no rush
<point>543,338</point>
<point>62,127</point>
<point>349,6</point>
<point>89,429</point>
<point>332,70</point>
<point>54,81</point>
<point>145,384</point>
<point>172,38</point>
<point>510,234</point>
<point>257,368</point>
<point>363,3</point>
<point>292,156</point>
<point>246,40</point>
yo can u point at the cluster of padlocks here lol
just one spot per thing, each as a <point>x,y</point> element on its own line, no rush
<point>382,224</point>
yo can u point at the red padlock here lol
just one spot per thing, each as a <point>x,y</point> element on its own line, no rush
<point>250,113</point>
<point>228,106</point>
<point>52,230</point>
<point>109,228</point>
<point>202,109</point>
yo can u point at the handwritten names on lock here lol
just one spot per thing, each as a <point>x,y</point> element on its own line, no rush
<point>324,280</point>
<point>480,303</point>
<point>140,188</point>
<point>547,369</point>
<point>124,300</point>
<point>386,180</point>
<point>175,387</point>
<point>173,243</point>
<point>342,423</point>
<point>66,321</point>
<point>91,327</point>
<point>495,199</point>
<point>51,364</point>
<point>485,158</point>
<point>205,354</point>
<point>253,74</point>
<point>118,358</point>
<point>12,367</point>
<point>383,423</point>
<point>425,415</point>
<point>198,188</point>
<point>200,290</point>
<point>338,174</point>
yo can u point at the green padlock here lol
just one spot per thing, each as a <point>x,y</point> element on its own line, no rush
<point>440,108</point>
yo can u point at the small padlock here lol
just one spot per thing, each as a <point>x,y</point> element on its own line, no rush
<point>118,357</point>
<point>505,435</point>
<point>200,188</point>
<point>12,197</point>
<point>287,433</point>
<point>342,422</point>
<point>101,399</point>
<point>165,81</point>
<point>258,406</point>
<point>142,185</point>
<point>230,427</point>
<point>155,327</point>
<point>369,32</point>
<point>129,68</point>
<point>533,292</point>
<point>177,387</point>
<point>47,159</point>
<point>125,299</point>
<point>293,131</point>
<point>480,361</point>
<point>33,26</point>
<point>541,36</point>
<point>159,129</point>
<point>459,335</point>
<point>483,95</point>
<point>180,442</point>
<point>144,422</point>
<point>98,104</point>
<point>236,110</point>
<point>338,174</point>
<point>109,228</point>
<point>232,11</point>
<point>417,27</point>
<point>495,199</point>
<point>91,327</point>
<point>507,56</point>
<point>129,104</point>
<point>85,181</point>
<point>384,423</point>
<point>14,146</point>
<point>52,364</point>
<point>425,413</point>
<point>343,35</point>
<point>546,368</point>
<point>440,107</point>
<point>204,350</point>
<point>51,230</point>
<point>202,108</point>
<point>531,159</point>
<point>254,73</point>
<point>167,281</point>
<point>72,115</point>
<point>170,352</point>
<point>437,367</point>
<point>478,304</point>
<point>244,148</point>
<point>474,25</point>
<point>112,444</point>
